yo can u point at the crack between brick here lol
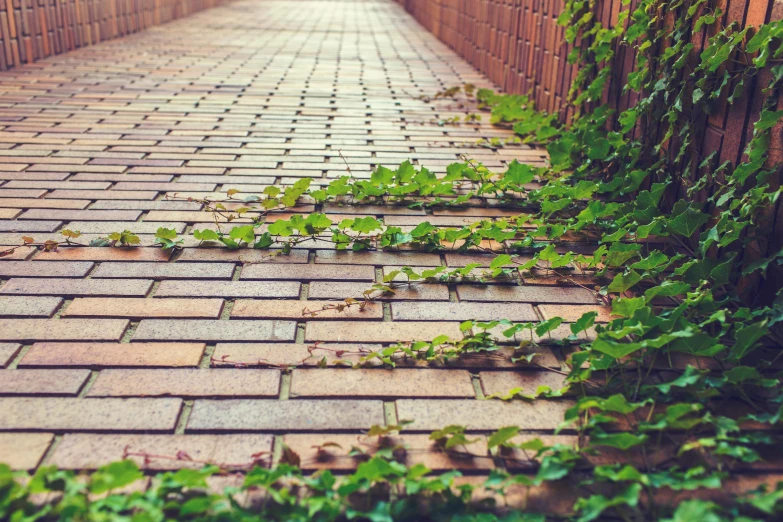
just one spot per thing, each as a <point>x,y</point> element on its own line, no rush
<point>50,450</point>
<point>18,357</point>
<point>88,384</point>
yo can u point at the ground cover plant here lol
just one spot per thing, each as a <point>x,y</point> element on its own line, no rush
<point>678,252</point>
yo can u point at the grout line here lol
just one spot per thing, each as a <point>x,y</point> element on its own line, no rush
<point>228,307</point>
<point>184,417</point>
<point>285,386</point>
<point>390,413</point>
<point>476,381</point>
<point>206,359</point>
<point>88,384</point>
<point>18,357</point>
<point>153,289</point>
<point>304,291</point>
<point>128,335</point>
<point>50,450</point>
<point>300,333</point>
<point>61,308</point>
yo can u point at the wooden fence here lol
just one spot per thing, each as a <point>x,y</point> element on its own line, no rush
<point>34,29</point>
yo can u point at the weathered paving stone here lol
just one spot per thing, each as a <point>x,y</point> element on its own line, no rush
<point>304,310</point>
<point>378,258</point>
<point>28,226</point>
<point>208,330</point>
<point>77,287</point>
<point>289,354</point>
<point>272,415</point>
<point>349,382</point>
<point>186,383</point>
<point>309,272</point>
<point>143,308</point>
<point>105,254</point>
<point>229,289</point>
<point>341,290</point>
<point>165,270</point>
<point>525,294</point>
<point>57,413</point>
<point>7,352</point>
<point>42,382</point>
<point>90,451</point>
<point>428,415</point>
<point>24,451</point>
<point>113,354</point>
<point>243,255</point>
<point>23,306</point>
<point>424,311</point>
<point>353,331</point>
<point>62,329</point>
<point>45,269</point>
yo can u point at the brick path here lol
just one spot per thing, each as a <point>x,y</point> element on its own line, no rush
<point>109,348</point>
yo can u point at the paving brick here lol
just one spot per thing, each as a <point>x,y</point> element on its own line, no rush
<point>14,205</point>
<point>208,330</point>
<point>315,453</point>
<point>87,215</point>
<point>244,255</point>
<point>77,287</point>
<point>90,451</point>
<point>20,306</point>
<point>42,382</point>
<point>45,269</point>
<point>525,294</point>
<point>187,382</point>
<point>341,291</point>
<point>96,355</point>
<point>501,383</point>
<point>274,415</point>
<point>378,258</point>
<point>348,382</point>
<point>24,451</point>
<point>144,308</point>
<point>165,271</point>
<point>428,415</point>
<point>65,413</point>
<point>228,289</point>
<point>287,354</point>
<point>357,331</point>
<point>62,329</point>
<point>309,272</point>
<point>572,313</point>
<point>107,227</point>
<point>424,311</point>
<point>29,226</point>
<point>277,309</point>
<point>105,254</point>
<point>7,353</point>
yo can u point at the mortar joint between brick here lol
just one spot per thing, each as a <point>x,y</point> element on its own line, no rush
<point>18,357</point>
<point>206,359</point>
<point>61,309</point>
<point>300,333</point>
<point>237,272</point>
<point>476,381</point>
<point>390,413</point>
<point>228,307</point>
<point>184,417</point>
<point>285,386</point>
<point>50,450</point>
<point>153,289</point>
<point>128,335</point>
<point>87,385</point>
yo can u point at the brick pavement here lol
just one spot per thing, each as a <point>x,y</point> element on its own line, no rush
<point>205,351</point>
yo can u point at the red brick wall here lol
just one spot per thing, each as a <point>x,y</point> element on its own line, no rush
<point>33,29</point>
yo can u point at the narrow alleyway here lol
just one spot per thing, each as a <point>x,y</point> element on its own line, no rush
<point>114,351</point>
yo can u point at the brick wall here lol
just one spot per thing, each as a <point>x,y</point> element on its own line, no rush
<point>518,44</point>
<point>34,29</point>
